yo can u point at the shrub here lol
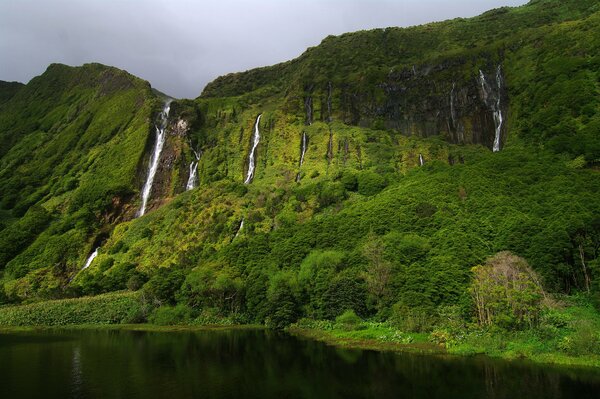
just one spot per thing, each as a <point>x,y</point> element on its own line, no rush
<point>345,292</point>
<point>348,320</point>
<point>507,292</point>
<point>415,319</point>
<point>171,315</point>
<point>370,183</point>
<point>163,285</point>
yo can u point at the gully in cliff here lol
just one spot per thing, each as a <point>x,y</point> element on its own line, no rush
<point>252,156</point>
<point>161,127</point>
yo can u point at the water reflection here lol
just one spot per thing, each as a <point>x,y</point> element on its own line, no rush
<point>257,364</point>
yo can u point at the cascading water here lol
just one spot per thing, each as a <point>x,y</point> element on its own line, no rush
<point>452,109</point>
<point>239,229</point>
<point>90,259</point>
<point>191,183</point>
<point>161,127</point>
<point>421,160</point>
<point>498,120</point>
<point>304,142</point>
<point>302,152</point>
<point>252,156</point>
<point>308,108</point>
<point>193,179</point>
<point>494,102</point>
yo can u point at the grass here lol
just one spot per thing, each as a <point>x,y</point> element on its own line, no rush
<point>112,308</point>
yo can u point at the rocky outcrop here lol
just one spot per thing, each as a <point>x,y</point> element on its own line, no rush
<point>424,101</point>
<point>173,170</point>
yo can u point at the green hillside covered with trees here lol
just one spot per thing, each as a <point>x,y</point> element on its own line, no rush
<point>439,180</point>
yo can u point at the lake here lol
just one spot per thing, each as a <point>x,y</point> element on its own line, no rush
<point>257,364</point>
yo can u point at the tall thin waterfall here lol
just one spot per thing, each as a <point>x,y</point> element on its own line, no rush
<point>498,120</point>
<point>452,109</point>
<point>302,152</point>
<point>90,259</point>
<point>304,142</point>
<point>193,179</point>
<point>161,127</point>
<point>252,156</point>
<point>421,160</point>
<point>494,102</point>
<point>191,183</point>
<point>237,233</point>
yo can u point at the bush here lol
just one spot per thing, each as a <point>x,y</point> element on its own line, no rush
<point>507,292</point>
<point>161,287</point>
<point>416,319</point>
<point>370,183</point>
<point>343,293</point>
<point>349,320</point>
<point>171,315</point>
<point>283,305</point>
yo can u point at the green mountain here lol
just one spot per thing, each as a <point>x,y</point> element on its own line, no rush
<point>371,173</point>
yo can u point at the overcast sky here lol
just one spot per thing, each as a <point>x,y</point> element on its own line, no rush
<point>180,45</point>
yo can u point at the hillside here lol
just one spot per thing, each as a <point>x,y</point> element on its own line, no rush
<point>374,173</point>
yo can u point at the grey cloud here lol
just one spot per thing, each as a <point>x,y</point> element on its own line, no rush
<point>180,45</point>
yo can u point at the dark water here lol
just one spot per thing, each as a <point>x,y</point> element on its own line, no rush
<point>257,364</point>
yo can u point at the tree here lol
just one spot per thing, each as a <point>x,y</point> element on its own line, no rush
<point>379,271</point>
<point>506,292</point>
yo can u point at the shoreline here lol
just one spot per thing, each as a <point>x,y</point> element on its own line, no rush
<point>554,359</point>
<point>337,339</point>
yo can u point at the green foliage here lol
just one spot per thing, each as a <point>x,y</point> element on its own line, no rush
<point>283,305</point>
<point>370,183</point>
<point>214,286</point>
<point>506,292</point>
<point>171,315</point>
<point>349,320</point>
<point>345,292</point>
<point>163,285</point>
<point>19,235</point>
<point>366,229</point>
<point>104,309</point>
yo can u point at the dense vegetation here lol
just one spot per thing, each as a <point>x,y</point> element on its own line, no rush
<point>470,244</point>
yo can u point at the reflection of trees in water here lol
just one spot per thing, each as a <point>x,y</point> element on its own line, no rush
<point>263,364</point>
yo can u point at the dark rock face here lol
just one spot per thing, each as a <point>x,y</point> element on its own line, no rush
<point>173,166</point>
<point>424,101</point>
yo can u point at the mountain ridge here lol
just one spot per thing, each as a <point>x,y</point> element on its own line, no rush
<point>414,172</point>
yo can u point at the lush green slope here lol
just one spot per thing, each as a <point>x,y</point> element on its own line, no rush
<point>424,80</point>
<point>8,90</point>
<point>396,202</point>
<point>72,142</point>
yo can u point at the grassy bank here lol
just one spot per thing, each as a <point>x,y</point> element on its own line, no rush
<point>112,308</point>
<point>567,336</point>
<point>566,346</point>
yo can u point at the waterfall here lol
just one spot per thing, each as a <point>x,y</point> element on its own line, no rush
<point>191,183</point>
<point>252,156</point>
<point>239,229</point>
<point>302,152</point>
<point>494,104</point>
<point>483,86</point>
<point>452,109</point>
<point>308,108</point>
<point>192,179</point>
<point>161,128</point>
<point>421,160</point>
<point>90,259</point>
<point>498,120</point>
